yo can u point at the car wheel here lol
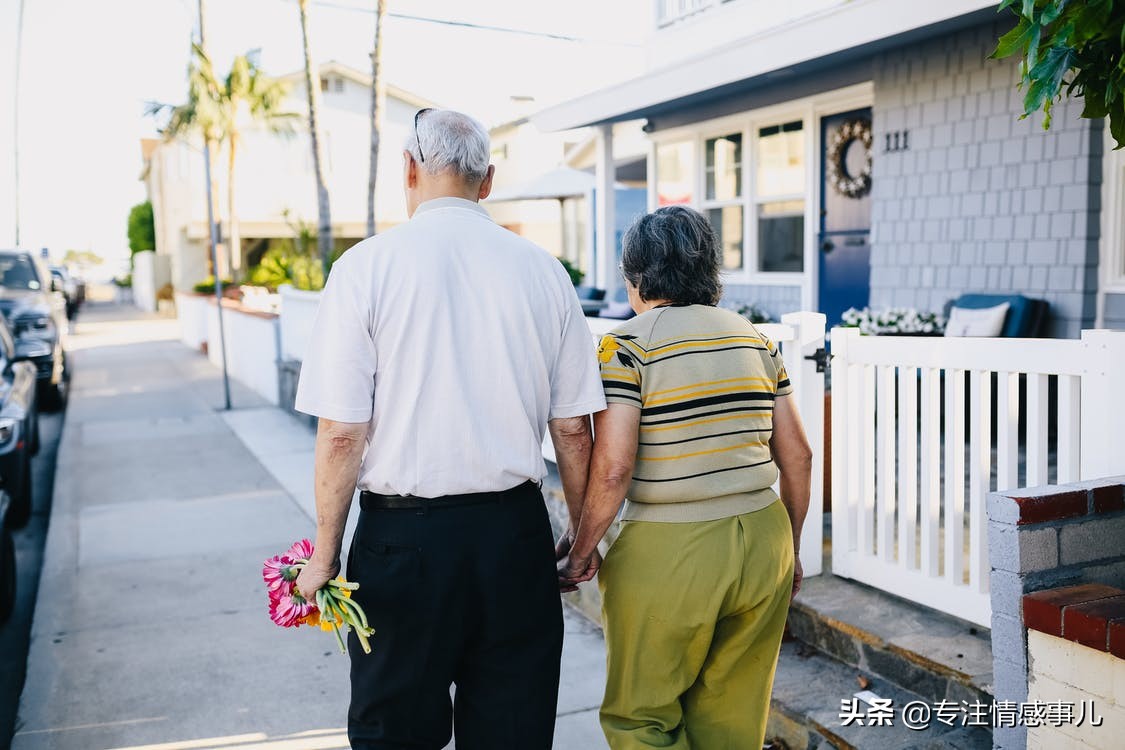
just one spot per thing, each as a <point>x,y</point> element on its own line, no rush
<point>19,513</point>
<point>7,575</point>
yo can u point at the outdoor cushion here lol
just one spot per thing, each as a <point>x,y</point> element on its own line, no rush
<point>985,321</point>
<point>1026,316</point>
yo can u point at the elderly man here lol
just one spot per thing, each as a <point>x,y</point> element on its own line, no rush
<point>442,350</point>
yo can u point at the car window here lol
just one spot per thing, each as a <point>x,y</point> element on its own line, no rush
<point>18,272</point>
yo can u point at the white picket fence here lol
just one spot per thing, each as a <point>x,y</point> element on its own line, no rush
<point>910,473</point>
<point>799,335</point>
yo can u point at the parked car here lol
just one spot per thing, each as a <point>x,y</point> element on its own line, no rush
<point>35,309</point>
<point>19,427</point>
<point>7,562</point>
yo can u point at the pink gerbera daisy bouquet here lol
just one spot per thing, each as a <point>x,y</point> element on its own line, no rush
<point>333,608</point>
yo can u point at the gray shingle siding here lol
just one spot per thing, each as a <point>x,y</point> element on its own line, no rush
<point>982,201</point>
<point>776,300</point>
<point>1114,313</point>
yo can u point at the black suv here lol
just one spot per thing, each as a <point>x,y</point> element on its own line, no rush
<point>36,312</point>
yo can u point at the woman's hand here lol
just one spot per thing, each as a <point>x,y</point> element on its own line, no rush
<point>798,576</point>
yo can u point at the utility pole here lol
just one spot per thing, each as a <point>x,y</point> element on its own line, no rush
<point>16,121</point>
<point>378,104</point>
<point>212,228</point>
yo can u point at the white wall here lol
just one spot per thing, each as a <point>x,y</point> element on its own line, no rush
<point>298,313</point>
<point>150,273</point>
<point>1061,670</point>
<point>251,348</point>
<point>191,312</point>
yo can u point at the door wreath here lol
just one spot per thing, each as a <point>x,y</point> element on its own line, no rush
<point>850,186</point>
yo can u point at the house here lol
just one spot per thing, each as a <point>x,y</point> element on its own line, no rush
<point>276,191</point>
<point>868,153</point>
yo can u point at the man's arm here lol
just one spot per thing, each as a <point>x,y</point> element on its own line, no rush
<point>793,456</point>
<point>339,452</point>
<point>573,442</point>
<point>611,473</point>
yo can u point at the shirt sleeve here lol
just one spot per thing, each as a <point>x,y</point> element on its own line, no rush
<point>338,372</point>
<point>782,386</point>
<point>621,369</point>
<point>575,389</point>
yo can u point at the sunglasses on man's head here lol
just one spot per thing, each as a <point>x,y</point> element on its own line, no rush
<point>417,116</point>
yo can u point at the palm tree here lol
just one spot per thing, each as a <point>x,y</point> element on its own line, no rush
<point>324,213</point>
<point>378,104</point>
<point>248,95</point>
<point>218,110</point>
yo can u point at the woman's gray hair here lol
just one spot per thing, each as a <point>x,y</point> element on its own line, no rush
<point>450,141</point>
<point>672,254</point>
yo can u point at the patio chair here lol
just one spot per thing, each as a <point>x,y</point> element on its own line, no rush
<point>618,307</point>
<point>1026,317</point>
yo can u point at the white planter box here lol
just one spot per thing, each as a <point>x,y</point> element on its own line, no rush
<point>298,313</point>
<point>191,311</point>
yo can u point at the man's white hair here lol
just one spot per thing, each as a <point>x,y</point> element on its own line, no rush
<point>450,141</point>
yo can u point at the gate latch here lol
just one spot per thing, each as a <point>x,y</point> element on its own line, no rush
<point>820,356</point>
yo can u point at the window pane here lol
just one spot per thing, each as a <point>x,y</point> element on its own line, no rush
<point>675,170</point>
<point>727,223</point>
<point>724,167</point>
<point>781,236</point>
<point>781,160</point>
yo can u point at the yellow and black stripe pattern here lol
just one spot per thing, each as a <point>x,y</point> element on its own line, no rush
<point>705,381</point>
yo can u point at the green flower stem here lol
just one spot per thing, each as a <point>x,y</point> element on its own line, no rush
<point>349,585</point>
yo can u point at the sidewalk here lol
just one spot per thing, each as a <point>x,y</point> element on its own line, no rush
<point>151,625</point>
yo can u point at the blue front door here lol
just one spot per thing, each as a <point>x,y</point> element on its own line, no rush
<point>843,245</point>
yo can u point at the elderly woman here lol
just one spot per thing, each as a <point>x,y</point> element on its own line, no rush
<point>697,585</point>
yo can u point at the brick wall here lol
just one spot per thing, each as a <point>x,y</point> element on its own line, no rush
<point>1038,539</point>
<point>982,201</point>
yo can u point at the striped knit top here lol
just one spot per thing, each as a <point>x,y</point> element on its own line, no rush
<point>705,381</point>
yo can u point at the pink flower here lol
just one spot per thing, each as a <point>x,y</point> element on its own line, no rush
<point>290,609</point>
<point>279,573</point>
<point>300,551</point>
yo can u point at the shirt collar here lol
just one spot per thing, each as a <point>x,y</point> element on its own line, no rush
<point>450,202</point>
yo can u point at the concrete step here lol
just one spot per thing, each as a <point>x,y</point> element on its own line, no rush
<point>932,654</point>
<point>805,712</point>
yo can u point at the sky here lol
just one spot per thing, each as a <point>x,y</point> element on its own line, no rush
<point>88,68</point>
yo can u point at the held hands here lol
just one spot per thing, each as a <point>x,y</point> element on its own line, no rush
<point>315,575</point>
<point>573,570</point>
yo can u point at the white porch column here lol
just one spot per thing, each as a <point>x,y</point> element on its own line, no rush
<point>605,177</point>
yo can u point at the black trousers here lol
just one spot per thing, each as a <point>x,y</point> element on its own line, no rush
<point>463,595</point>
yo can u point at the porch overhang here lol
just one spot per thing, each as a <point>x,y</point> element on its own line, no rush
<point>815,42</point>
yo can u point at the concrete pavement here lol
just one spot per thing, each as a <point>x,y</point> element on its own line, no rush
<point>151,625</point>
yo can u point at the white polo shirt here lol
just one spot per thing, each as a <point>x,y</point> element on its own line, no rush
<point>456,340</point>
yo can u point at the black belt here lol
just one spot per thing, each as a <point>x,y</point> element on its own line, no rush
<point>375,501</point>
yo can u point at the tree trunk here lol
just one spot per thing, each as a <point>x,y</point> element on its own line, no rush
<point>312,85</point>
<point>378,104</point>
<point>234,239</point>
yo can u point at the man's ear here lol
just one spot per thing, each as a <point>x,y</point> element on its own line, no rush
<point>411,167</point>
<point>486,183</point>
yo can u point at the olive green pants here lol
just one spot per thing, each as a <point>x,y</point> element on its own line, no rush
<point>693,616</point>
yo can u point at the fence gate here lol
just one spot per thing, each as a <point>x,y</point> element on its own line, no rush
<point>924,428</point>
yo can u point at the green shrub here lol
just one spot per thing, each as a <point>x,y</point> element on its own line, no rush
<point>576,275</point>
<point>142,229</point>
<point>280,265</point>
<point>207,286</point>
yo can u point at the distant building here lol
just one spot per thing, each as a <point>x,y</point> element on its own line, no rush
<point>868,152</point>
<point>274,182</point>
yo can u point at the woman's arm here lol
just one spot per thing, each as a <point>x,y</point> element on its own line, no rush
<point>611,472</point>
<point>793,456</point>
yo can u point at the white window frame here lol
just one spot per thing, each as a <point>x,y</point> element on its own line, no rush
<point>809,111</point>
<point>700,191</point>
<point>1112,251</point>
